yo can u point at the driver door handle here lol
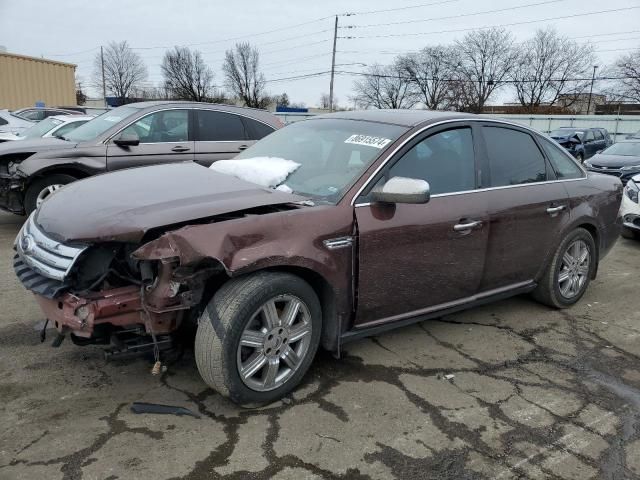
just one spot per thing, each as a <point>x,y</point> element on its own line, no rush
<point>180,148</point>
<point>463,227</point>
<point>243,147</point>
<point>554,210</point>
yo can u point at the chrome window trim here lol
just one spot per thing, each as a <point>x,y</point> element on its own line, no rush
<point>461,120</point>
<point>104,142</point>
<point>488,189</point>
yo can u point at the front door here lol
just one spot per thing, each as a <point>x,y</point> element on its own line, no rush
<point>415,257</point>
<point>164,138</point>
<point>219,136</point>
<point>528,208</point>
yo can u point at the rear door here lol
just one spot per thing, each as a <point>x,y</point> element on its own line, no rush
<point>219,136</point>
<point>165,137</point>
<point>590,144</point>
<point>527,207</point>
<point>414,257</point>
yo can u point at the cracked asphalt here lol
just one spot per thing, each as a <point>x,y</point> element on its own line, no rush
<point>535,393</point>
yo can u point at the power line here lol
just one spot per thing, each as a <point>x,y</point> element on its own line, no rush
<point>448,17</point>
<point>605,34</point>
<point>401,77</point>
<point>369,12</point>
<point>494,26</point>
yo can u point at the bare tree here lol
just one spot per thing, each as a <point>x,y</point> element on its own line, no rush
<point>283,100</point>
<point>431,70</point>
<point>550,66</point>
<point>186,76</point>
<point>325,102</point>
<point>627,85</point>
<point>123,70</point>
<point>385,87</point>
<point>81,97</point>
<point>483,62</point>
<point>243,77</point>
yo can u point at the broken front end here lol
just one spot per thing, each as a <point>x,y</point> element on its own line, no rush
<point>99,294</point>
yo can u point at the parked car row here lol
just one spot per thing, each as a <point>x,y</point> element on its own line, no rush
<point>133,135</point>
<point>54,126</point>
<point>325,231</point>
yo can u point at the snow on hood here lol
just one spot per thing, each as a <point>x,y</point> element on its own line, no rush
<point>265,171</point>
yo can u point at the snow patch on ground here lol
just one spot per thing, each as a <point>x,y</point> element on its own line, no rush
<point>265,171</point>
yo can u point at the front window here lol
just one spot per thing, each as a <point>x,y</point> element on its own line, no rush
<point>332,153</point>
<point>626,149</point>
<point>101,124</point>
<point>161,127</point>
<point>41,128</point>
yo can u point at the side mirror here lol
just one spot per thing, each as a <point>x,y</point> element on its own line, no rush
<point>402,190</point>
<point>129,139</point>
<point>598,152</point>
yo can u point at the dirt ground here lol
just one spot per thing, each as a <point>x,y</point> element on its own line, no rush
<point>534,393</point>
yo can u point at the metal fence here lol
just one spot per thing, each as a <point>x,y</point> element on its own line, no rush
<point>619,126</point>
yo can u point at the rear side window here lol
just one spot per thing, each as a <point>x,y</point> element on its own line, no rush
<point>219,127</point>
<point>514,158</point>
<point>564,166</point>
<point>257,130</point>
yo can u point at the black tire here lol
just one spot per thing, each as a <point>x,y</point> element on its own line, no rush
<point>31,195</point>
<point>224,320</point>
<point>548,289</point>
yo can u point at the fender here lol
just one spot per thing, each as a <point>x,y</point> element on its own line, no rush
<point>292,240</point>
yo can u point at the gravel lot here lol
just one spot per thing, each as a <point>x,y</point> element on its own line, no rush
<point>536,393</point>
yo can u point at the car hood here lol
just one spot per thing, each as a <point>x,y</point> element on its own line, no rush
<point>614,160</point>
<point>124,205</point>
<point>34,145</point>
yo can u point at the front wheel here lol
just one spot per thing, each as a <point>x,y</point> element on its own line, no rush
<point>567,276</point>
<point>258,336</point>
<point>42,188</point>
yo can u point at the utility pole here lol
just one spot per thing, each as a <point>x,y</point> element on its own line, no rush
<point>593,78</point>
<point>333,64</point>
<point>104,83</point>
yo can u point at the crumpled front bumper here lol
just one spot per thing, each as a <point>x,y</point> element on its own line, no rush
<point>119,307</point>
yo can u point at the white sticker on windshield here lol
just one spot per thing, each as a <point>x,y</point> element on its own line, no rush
<point>375,142</point>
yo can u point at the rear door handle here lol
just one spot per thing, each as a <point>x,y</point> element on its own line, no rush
<point>243,147</point>
<point>180,148</point>
<point>463,227</point>
<point>554,210</point>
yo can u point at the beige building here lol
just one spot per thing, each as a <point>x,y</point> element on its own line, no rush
<point>27,80</point>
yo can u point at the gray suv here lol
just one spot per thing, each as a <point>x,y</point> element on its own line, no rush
<point>133,135</point>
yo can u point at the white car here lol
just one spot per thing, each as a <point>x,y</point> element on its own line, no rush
<point>55,126</point>
<point>10,123</point>
<point>630,209</point>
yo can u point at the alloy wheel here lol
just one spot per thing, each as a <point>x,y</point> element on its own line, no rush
<point>574,269</point>
<point>274,343</point>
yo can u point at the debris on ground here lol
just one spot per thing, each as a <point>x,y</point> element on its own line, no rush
<point>143,407</point>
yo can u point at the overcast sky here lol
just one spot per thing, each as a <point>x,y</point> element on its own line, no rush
<point>73,30</point>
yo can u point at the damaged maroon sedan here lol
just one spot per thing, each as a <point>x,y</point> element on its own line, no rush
<point>328,230</point>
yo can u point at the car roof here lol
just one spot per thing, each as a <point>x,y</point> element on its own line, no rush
<point>405,118</point>
<point>257,113</point>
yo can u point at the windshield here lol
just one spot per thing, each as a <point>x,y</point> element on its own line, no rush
<point>41,128</point>
<point>627,149</point>
<point>566,132</point>
<point>100,124</point>
<point>331,153</point>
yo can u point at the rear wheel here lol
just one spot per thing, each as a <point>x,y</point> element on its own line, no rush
<point>42,188</point>
<point>258,336</point>
<point>567,276</point>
